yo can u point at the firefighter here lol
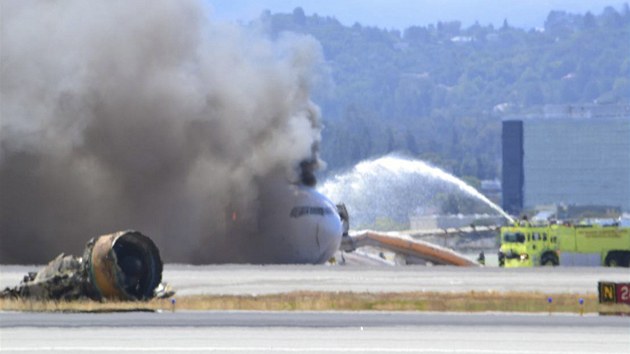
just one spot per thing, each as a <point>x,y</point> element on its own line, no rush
<point>482,258</point>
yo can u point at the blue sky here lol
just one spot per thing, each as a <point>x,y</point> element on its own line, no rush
<point>403,13</point>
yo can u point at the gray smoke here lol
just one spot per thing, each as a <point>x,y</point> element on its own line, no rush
<point>145,115</point>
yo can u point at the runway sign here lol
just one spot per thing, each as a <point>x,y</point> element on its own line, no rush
<point>614,293</point>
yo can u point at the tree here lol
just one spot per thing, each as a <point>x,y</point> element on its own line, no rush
<point>411,144</point>
<point>444,101</point>
<point>299,18</point>
<point>589,21</point>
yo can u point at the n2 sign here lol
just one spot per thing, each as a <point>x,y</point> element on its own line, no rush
<point>614,293</point>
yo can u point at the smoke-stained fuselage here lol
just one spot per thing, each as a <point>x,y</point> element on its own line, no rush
<point>295,224</point>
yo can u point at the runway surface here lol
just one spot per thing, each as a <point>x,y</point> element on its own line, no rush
<point>254,279</point>
<point>313,332</point>
<point>330,332</point>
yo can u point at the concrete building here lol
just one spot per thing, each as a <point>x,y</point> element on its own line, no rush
<point>432,222</point>
<point>571,155</point>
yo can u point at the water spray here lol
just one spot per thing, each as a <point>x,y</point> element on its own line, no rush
<point>394,187</point>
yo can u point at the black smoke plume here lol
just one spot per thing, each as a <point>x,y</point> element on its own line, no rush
<point>145,115</point>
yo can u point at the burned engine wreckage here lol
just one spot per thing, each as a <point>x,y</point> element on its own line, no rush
<point>123,266</point>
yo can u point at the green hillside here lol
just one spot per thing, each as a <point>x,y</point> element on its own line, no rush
<point>439,92</point>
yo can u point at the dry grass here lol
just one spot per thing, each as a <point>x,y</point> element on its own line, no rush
<point>342,301</point>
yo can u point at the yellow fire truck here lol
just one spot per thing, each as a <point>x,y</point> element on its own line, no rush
<point>527,245</point>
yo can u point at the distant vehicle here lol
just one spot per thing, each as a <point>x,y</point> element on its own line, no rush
<point>527,245</point>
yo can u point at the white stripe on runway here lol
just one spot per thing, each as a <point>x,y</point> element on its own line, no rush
<point>286,350</point>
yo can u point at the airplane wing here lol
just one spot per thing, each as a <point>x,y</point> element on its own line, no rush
<point>405,245</point>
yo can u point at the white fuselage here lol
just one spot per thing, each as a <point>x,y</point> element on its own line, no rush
<point>303,226</point>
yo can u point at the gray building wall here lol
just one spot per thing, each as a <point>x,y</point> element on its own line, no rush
<point>577,160</point>
<point>512,174</point>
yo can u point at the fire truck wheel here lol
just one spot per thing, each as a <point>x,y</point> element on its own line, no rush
<point>549,259</point>
<point>617,259</point>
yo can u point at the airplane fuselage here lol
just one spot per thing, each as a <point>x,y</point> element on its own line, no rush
<point>303,226</point>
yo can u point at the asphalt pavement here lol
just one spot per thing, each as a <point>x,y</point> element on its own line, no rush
<point>330,332</point>
<point>315,319</point>
<point>270,279</point>
<point>249,279</point>
<point>313,332</point>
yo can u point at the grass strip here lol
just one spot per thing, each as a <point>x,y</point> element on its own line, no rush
<point>341,301</point>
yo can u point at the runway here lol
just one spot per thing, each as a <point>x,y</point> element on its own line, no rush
<point>313,332</point>
<point>279,279</point>
<point>330,332</point>
<point>256,279</point>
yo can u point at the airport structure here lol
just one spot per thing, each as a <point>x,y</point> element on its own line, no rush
<point>440,222</point>
<point>567,155</point>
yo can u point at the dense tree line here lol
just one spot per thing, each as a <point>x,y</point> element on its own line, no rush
<point>439,92</point>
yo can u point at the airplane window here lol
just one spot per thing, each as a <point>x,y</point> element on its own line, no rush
<point>298,211</point>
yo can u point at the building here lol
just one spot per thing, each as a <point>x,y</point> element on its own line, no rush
<point>433,222</point>
<point>571,155</point>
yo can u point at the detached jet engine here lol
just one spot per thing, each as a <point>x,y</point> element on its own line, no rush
<point>124,265</point>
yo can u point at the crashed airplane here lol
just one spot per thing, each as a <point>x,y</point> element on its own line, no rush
<point>126,265</point>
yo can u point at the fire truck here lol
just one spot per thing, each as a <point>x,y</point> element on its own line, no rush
<point>585,244</point>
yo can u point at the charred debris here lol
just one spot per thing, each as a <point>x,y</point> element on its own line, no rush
<point>122,266</point>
